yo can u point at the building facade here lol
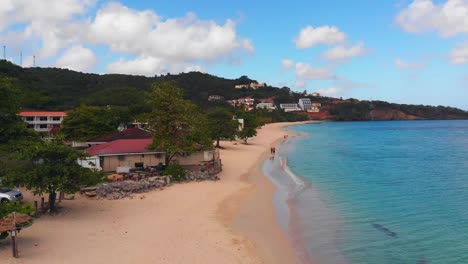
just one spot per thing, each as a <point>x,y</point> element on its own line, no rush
<point>43,121</point>
<point>290,107</point>
<point>305,104</point>
<point>267,106</point>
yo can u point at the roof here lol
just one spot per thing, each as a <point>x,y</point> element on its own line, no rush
<point>129,133</point>
<point>42,113</point>
<point>121,147</point>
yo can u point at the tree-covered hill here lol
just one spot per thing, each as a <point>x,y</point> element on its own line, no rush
<point>62,89</point>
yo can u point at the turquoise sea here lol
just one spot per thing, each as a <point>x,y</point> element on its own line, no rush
<point>375,192</point>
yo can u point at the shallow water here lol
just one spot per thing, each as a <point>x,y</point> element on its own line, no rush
<point>376,192</point>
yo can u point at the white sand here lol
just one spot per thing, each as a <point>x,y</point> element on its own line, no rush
<point>228,221</point>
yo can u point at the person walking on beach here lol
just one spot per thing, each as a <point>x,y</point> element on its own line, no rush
<point>273,151</point>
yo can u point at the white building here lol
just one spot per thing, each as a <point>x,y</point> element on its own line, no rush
<point>215,97</point>
<point>290,107</point>
<point>268,106</point>
<point>315,94</point>
<point>305,104</point>
<point>257,85</point>
<point>240,86</point>
<point>43,121</point>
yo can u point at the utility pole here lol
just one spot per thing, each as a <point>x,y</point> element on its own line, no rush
<point>21,59</point>
<point>34,61</point>
<point>4,52</point>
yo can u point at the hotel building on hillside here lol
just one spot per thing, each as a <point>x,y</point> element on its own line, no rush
<point>43,121</point>
<point>305,104</point>
<point>290,107</point>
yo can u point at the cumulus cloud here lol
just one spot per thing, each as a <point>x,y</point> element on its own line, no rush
<point>329,91</point>
<point>310,37</point>
<point>76,58</point>
<point>399,63</point>
<point>305,71</point>
<point>459,55</point>
<point>344,53</point>
<point>143,33</point>
<point>447,19</point>
<point>163,43</point>
<point>287,64</point>
<point>150,66</point>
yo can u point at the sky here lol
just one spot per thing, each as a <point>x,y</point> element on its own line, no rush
<point>403,51</point>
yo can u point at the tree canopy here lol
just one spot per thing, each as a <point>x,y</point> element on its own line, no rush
<point>221,124</point>
<point>51,167</point>
<point>88,122</point>
<point>178,125</point>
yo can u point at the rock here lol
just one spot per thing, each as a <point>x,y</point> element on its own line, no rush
<point>91,193</point>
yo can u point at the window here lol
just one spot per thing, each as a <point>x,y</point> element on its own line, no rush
<point>42,126</point>
<point>121,157</point>
<point>56,118</point>
<point>30,126</point>
<point>30,118</point>
<point>43,118</point>
<point>158,155</point>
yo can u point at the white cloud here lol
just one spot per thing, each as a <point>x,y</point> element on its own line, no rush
<point>143,33</point>
<point>178,43</point>
<point>305,71</point>
<point>150,66</point>
<point>309,36</point>
<point>343,53</point>
<point>448,19</point>
<point>399,63</point>
<point>287,64</point>
<point>76,58</point>
<point>459,55</point>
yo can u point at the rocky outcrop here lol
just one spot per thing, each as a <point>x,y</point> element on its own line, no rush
<point>390,114</point>
<point>122,189</point>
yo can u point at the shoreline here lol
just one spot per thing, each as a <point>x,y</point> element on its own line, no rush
<point>228,221</point>
<point>252,211</point>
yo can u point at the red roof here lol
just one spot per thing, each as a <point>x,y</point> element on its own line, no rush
<point>33,113</point>
<point>129,133</point>
<point>121,146</point>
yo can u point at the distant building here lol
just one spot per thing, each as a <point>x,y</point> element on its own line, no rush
<point>253,85</point>
<point>247,102</point>
<point>43,121</point>
<point>215,97</point>
<point>240,86</point>
<point>315,94</point>
<point>305,104</point>
<point>315,108</point>
<point>268,106</point>
<point>290,107</point>
<point>257,85</point>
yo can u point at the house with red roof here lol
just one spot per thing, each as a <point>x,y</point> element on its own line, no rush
<point>123,151</point>
<point>43,121</point>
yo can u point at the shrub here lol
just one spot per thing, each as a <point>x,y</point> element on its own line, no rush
<point>176,172</point>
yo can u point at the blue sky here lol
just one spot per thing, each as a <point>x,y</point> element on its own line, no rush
<point>399,51</point>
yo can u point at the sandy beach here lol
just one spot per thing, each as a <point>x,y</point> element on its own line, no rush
<point>227,221</point>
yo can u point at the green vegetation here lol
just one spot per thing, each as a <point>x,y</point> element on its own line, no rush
<point>221,124</point>
<point>88,122</point>
<point>178,125</point>
<point>51,167</point>
<point>60,89</point>
<point>8,208</point>
<point>176,172</point>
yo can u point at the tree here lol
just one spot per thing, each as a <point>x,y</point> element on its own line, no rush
<point>52,167</point>
<point>178,125</point>
<point>12,127</point>
<point>250,127</point>
<point>88,122</point>
<point>221,124</point>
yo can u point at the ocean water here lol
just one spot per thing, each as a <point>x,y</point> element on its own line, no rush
<point>375,192</point>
